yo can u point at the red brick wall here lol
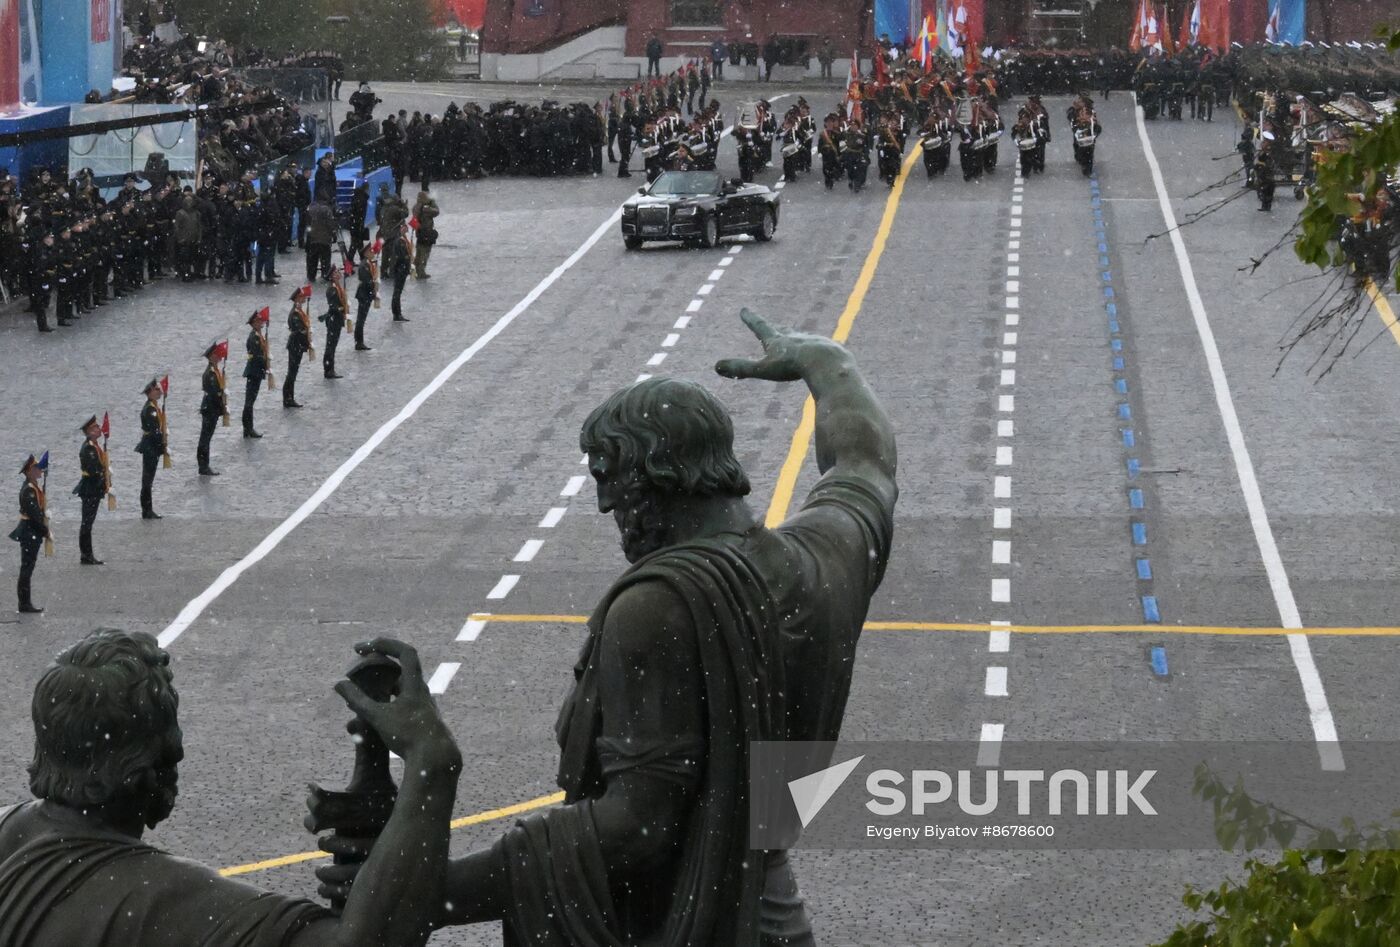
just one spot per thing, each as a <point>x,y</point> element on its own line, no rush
<point>845,21</point>
<point>1345,20</point>
<point>508,30</point>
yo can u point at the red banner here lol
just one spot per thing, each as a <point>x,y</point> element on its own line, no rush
<point>101,21</point>
<point>9,52</point>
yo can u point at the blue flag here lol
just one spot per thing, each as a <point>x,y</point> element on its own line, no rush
<point>1287,22</point>
<point>43,462</point>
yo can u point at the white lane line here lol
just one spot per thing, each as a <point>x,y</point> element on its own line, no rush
<point>695,305</point>
<point>1008,376</point>
<point>503,587</point>
<point>196,606</point>
<point>1006,403</point>
<point>682,322</point>
<point>1013,302</point>
<point>989,748</point>
<point>670,340</point>
<point>1006,428</point>
<point>1001,517</point>
<point>552,518</point>
<point>1013,271</point>
<point>529,550</point>
<point>1014,245</point>
<point>574,485</point>
<point>716,276</point>
<point>643,376</point>
<point>1015,235</point>
<point>1013,286</point>
<point>656,359</point>
<point>1324,727</point>
<point>1013,319</point>
<point>1013,258</point>
<point>996,682</point>
<point>706,289</point>
<point>999,642</point>
<point>1008,339</point>
<point>1003,456</point>
<point>1001,590</point>
<point>1001,552</point>
<point>583,460</point>
<point>472,629</point>
<point>1001,488</point>
<point>726,261</point>
<point>739,246</point>
<point>437,684</point>
<point>1008,358</point>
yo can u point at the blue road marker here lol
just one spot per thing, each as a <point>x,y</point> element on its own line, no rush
<point>1135,498</point>
<point>1133,467</point>
<point>1149,608</point>
<point>1103,248</point>
<point>1128,439</point>
<point>1113,326</point>
<point>1139,534</point>
<point>1112,308</point>
<point>1117,345</point>
<point>1108,291</point>
<point>1103,261</point>
<point>1125,412</point>
<point>1118,364</point>
<point>1159,661</point>
<point>1121,386</point>
<point>1144,569</point>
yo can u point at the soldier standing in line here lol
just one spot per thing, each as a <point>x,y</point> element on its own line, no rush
<point>398,261</point>
<point>153,446</point>
<point>65,256</point>
<point>334,320</point>
<point>425,211</point>
<point>298,344</point>
<point>31,532</point>
<point>213,406</point>
<point>43,273</point>
<point>95,484</point>
<point>257,368</point>
<point>366,292</point>
<point>627,125</point>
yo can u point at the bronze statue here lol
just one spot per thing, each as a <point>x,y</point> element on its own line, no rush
<point>722,632</point>
<point>75,873</point>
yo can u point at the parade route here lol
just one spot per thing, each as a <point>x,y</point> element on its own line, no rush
<point>1120,517</point>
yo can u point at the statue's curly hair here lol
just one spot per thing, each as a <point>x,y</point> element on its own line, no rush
<point>106,733</point>
<point>674,435</point>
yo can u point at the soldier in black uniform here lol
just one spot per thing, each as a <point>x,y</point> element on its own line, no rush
<point>65,259</point>
<point>398,262</point>
<point>153,446</point>
<point>31,532</point>
<point>255,371</point>
<point>43,274</point>
<point>212,407</point>
<point>829,150</point>
<point>92,487</point>
<point>366,290</point>
<point>334,320</point>
<point>298,344</point>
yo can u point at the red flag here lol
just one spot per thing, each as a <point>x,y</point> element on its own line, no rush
<point>413,222</point>
<point>165,385</point>
<point>106,425</point>
<point>221,350</point>
<point>349,267</point>
<point>265,314</point>
<point>306,291</point>
<point>881,74</point>
<point>378,245</point>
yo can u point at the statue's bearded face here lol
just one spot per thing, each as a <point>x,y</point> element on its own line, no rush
<point>637,507</point>
<point>163,781</point>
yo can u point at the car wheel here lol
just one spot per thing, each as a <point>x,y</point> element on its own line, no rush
<point>764,233</point>
<point>709,232</point>
<point>632,243</point>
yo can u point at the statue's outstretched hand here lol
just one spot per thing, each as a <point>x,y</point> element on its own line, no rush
<point>409,724</point>
<point>786,352</point>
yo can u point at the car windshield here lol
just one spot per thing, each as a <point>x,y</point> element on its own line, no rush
<point>686,183</point>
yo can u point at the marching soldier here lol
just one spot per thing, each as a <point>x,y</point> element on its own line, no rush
<point>366,292</point>
<point>213,406</point>
<point>256,370</point>
<point>32,531</point>
<point>890,150</point>
<point>96,483</point>
<point>154,445</point>
<point>334,320</point>
<point>298,343</point>
<point>830,151</point>
<point>855,155</point>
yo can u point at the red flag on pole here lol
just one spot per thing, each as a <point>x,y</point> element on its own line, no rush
<point>221,350</point>
<point>306,291</point>
<point>349,268</point>
<point>165,385</point>
<point>378,245</point>
<point>265,314</point>
<point>413,222</point>
<point>106,425</point>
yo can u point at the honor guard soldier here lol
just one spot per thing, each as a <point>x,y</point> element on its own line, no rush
<point>366,292</point>
<point>94,485</point>
<point>398,263</point>
<point>830,151</point>
<point>213,406</point>
<point>154,445</point>
<point>334,320</point>
<point>257,369</point>
<point>32,531</point>
<point>298,343</point>
<point>43,276</point>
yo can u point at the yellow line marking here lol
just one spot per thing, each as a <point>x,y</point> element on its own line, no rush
<point>1383,307</point>
<point>1373,631</point>
<point>491,815</point>
<point>802,437</point>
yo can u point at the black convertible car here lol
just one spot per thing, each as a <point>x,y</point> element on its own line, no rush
<point>699,207</point>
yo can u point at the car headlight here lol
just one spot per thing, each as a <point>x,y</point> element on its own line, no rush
<point>687,211</point>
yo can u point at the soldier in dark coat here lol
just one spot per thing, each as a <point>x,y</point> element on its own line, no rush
<point>93,486</point>
<point>31,532</point>
<point>334,320</point>
<point>298,344</point>
<point>153,446</point>
<point>213,406</point>
<point>256,370</point>
<point>366,291</point>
